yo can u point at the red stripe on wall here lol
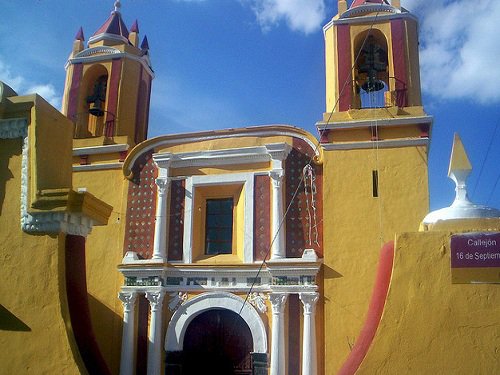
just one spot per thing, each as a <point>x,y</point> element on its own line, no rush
<point>261,218</point>
<point>344,67</point>
<point>76,289</point>
<point>398,59</point>
<point>114,85</point>
<point>73,91</point>
<point>375,310</point>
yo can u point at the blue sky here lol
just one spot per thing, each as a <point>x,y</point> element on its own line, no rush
<point>232,63</point>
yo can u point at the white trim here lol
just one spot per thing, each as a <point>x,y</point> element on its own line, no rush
<point>376,144</point>
<point>97,167</point>
<point>181,319</point>
<point>247,179</point>
<point>355,124</point>
<point>232,156</point>
<point>192,139</point>
<point>109,36</point>
<point>369,19</point>
<point>90,57</point>
<point>93,150</point>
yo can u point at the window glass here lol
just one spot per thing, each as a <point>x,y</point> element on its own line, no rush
<point>219,226</point>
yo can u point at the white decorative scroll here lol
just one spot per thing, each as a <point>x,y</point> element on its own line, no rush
<point>176,299</point>
<point>258,300</point>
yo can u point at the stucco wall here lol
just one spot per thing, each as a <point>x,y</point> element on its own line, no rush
<point>431,326</point>
<point>33,307</point>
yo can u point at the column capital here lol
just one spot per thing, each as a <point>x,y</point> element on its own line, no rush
<point>162,184</point>
<point>128,299</point>
<point>155,299</point>
<point>278,151</point>
<point>277,176</point>
<point>278,301</point>
<point>309,301</point>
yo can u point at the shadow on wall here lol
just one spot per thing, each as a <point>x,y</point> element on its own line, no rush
<point>10,322</point>
<point>8,149</point>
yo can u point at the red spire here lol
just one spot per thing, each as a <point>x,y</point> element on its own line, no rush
<point>135,27</point>
<point>79,35</point>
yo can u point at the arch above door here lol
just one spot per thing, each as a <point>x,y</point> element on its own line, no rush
<point>214,300</point>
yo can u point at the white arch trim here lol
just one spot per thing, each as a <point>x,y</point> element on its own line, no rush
<point>209,301</point>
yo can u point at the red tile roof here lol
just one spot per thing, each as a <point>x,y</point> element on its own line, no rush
<point>113,25</point>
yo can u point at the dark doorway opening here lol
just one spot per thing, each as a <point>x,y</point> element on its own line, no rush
<point>217,342</point>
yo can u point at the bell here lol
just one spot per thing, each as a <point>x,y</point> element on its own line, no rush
<point>372,84</point>
<point>374,61</point>
<point>96,110</point>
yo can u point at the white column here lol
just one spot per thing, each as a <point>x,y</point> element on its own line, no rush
<point>278,152</point>
<point>278,301</point>
<point>154,334</point>
<point>161,233</point>
<point>127,363</point>
<point>278,233</point>
<point>309,355</point>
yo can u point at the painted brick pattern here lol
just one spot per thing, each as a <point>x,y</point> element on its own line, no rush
<point>262,222</point>
<point>141,205</point>
<point>297,220</point>
<point>176,225</point>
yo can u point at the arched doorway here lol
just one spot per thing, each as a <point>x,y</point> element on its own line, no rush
<point>217,341</point>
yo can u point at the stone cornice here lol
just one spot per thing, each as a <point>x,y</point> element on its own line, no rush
<point>233,156</point>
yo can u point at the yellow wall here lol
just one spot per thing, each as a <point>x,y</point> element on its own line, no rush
<point>431,326</point>
<point>357,224</point>
<point>104,251</point>
<point>35,333</point>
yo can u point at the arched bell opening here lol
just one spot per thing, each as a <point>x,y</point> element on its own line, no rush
<point>371,70</point>
<point>91,115</point>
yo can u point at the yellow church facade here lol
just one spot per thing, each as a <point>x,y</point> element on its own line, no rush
<point>260,250</point>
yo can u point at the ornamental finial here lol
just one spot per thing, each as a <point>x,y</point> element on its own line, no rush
<point>117,5</point>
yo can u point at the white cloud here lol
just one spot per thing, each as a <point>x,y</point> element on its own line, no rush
<point>459,48</point>
<point>23,86</point>
<point>300,15</point>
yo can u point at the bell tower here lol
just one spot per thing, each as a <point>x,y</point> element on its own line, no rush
<point>375,135</point>
<point>108,85</point>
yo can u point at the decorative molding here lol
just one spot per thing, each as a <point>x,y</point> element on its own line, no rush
<point>208,301</point>
<point>162,184</point>
<point>101,50</point>
<point>191,139</point>
<point>376,144</point>
<point>364,9</point>
<point>247,179</point>
<point>108,36</point>
<point>176,299</point>
<point>278,301</point>
<point>108,149</point>
<point>96,54</point>
<point>370,19</point>
<point>97,167</point>
<point>258,300</point>
<point>369,123</point>
<point>47,222</point>
<point>232,156</point>
<point>13,128</point>
<point>309,302</point>
<point>278,151</point>
<point>155,299</point>
<point>128,300</point>
<point>277,177</point>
